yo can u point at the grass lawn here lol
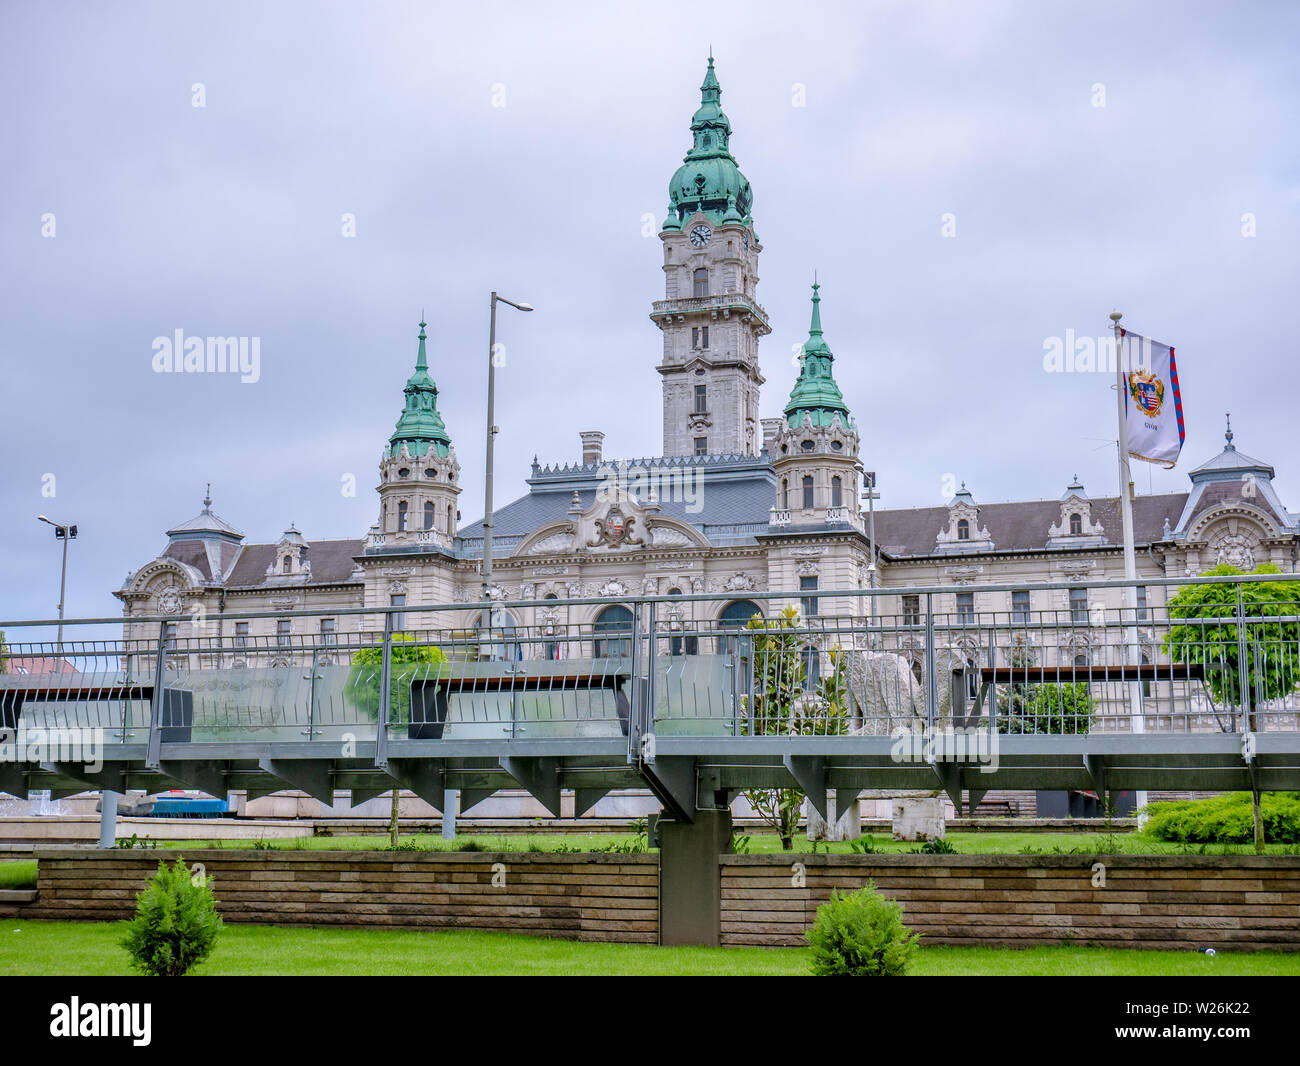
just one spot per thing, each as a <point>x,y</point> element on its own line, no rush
<point>30,948</point>
<point>758,843</point>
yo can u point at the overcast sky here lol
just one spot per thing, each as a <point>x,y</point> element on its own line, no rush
<point>227,219</point>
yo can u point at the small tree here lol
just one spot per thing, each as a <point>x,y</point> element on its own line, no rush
<point>176,922</point>
<point>780,705</point>
<point>1272,666</point>
<point>409,660</point>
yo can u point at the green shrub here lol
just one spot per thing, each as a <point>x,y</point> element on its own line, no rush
<point>175,924</point>
<point>935,847</point>
<point>861,934</point>
<point>1226,819</point>
<point>410,660</point>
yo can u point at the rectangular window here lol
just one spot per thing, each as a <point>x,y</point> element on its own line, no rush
<point>807,493</point>
<point>398,599</point>
<point>283,628</point>
<point>911,610</point>
<point>1141,603</point>
<point>327,630</point>
<point>241,634</point>
<point>701,279</point>
<point>1079,606</point>
<point>704,336</point>
<point>701,399</point>
<point>171,636</point>
<point>701,445</point>
<point>812,668</point>
<point>695,336</point>
<point>808,604</point>
<point>966,608</point>
<point>1020,607</point>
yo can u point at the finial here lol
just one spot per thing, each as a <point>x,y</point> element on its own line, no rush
<point>421,359</point>
<point>207,500</point>
<point>1228,434</point>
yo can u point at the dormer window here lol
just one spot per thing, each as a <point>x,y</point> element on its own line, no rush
<point>963,529</point>
<point>1076,524</point>
<point>285,564</point>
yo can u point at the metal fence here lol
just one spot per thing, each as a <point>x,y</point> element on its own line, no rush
<point>682,666</point>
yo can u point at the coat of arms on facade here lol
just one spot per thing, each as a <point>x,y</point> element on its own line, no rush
<point>615,530</point>
<point>1148,392</point>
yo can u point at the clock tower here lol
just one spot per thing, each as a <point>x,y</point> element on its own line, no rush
<point>709,317</point>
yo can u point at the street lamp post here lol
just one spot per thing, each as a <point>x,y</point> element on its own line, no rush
<point>65,534</point>
<point>486,569</point>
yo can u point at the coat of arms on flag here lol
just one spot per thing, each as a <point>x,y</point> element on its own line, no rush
<point>1155,427</point>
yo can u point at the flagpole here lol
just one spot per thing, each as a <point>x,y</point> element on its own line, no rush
<point>1137,723</point>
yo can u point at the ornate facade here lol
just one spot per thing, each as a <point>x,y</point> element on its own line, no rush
<point>734,505</point>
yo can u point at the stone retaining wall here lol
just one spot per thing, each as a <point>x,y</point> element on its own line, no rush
<point>577,897</point>
<point>1234,903</point>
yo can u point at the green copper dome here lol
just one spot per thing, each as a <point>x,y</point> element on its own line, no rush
<point>709,179</point>
<point>815,393</point>
<point>420,427</point>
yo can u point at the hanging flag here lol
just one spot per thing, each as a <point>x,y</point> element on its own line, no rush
<point>1153,402</point>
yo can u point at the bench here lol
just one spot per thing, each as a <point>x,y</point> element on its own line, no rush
<point>177,718</point>
<point>430,695</point>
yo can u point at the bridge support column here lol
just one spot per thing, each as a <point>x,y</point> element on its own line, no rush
<point>690,887</point>
<point>107,818</point>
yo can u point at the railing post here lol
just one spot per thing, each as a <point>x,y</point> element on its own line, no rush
<point>635,691</point>
<point>311,730</point>
<point>1243,667</point>
<point>385,683</point>
<point>931,683</point>
<point>153,753</point>
<point>647,716</point>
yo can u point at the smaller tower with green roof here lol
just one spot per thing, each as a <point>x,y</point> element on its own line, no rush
<point>419,475</point>
<point>814,450</point>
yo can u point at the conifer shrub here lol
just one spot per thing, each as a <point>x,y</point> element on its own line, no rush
<point>861,934</point>
<point>176,922</point>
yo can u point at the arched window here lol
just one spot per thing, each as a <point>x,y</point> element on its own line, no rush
<point>807,492</point>
<point>285,564</point>
<point>428,514</point>
<point>785,493</point>
<point>837,492</point>
<point>963,529</point>
<point>612,633</point>
<point>1076,524</point>
<point>451,520</point>
<point>701,282</point>
<point>735,616</point>
<point>401,516</point>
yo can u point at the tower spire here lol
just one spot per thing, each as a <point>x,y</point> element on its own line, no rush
<point>815,393</point>
<point>420,427</point>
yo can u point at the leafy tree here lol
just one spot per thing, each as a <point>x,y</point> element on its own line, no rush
<point>1049,708</point>
<point>781,706</point>
<point>176,922</point>
<point>1272,647</point>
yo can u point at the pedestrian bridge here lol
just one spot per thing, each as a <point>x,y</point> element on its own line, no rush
<point>693,697</point>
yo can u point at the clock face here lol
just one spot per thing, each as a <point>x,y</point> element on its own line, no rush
<point>700,236</point>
